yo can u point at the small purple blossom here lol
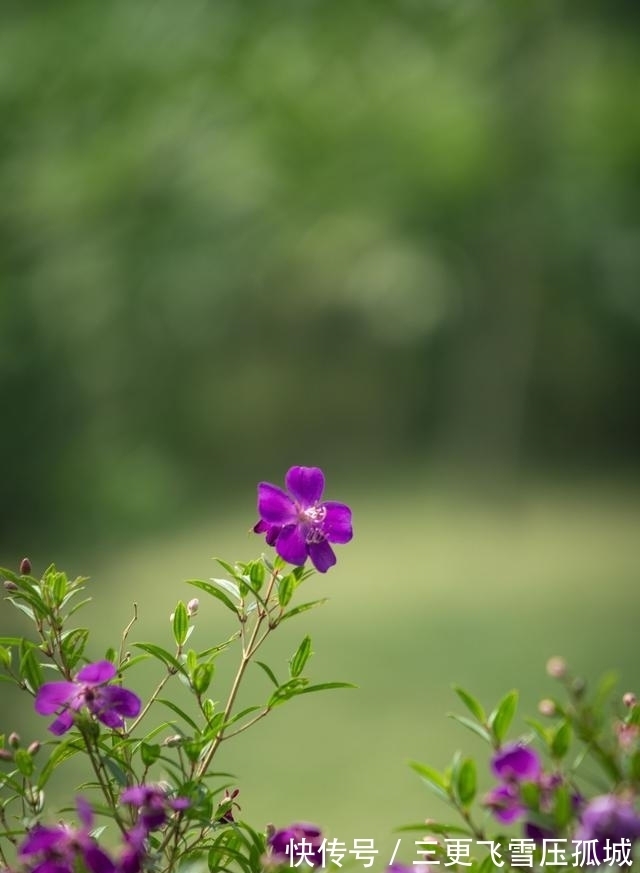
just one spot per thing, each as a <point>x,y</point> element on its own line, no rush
<point>110,704</point>
<point>299,524</point>
<point>504,802</point>
<point>298,844</point>
<point>59,849</point>
<point>153,804</point>
<point>515,762</point>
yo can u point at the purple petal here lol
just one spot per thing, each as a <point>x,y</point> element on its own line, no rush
<point>40,839</point>
<point>52,695</point>
<point>85,813</point>
<point>306,484</point>
<point>337,522</point>
<point>274,506</point>
<point>291,545</point>
<point>120,700</point>
<point>261,527</point>
<point>516,762</point>
<point>322,556</point>
<point>96,674</point>
<point>180,803</point>
<point>504,804</point>
<point>135,795</point>
<point>97,860</point>
<point>62,724</point>
<point>272,534</point>
<point>51,865</point>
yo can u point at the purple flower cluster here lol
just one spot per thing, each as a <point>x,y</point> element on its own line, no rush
<point>513,764</point>
<point>299,524</point>
<point>110,704</point>
<point>59,849</point>
<point>154,807</point>
<point>66,849</point>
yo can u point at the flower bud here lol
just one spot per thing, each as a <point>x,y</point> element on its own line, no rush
<point>192,606</point>
<point>9,585</point>
<point>25,567</point>
<point>33,748</point>
<point>14,740</point>
<point>557,667</point>
<point>5,755</point>
<point>547,707</point>
<point>173,740</point>
<point>578,686</point>
<point>629,699</point>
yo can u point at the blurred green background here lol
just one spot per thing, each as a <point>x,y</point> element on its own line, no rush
<point>398,240</point>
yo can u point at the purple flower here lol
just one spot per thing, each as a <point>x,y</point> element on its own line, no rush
<point>516,763</point>
<point>504,802</point>
<point>299,843</point>
<point>154,806</point>
<point>110,704</point>
<point>58,849</point>
<point>609,817</point>
<point>298,524</point>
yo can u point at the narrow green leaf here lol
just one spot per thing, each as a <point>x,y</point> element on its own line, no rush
<point>473,705</point>
<point>31,670</point>
<point>115,769</point>
<point>269,672</point>
<point>300,658</point>
<point>465,781</point>
<point>162,655</point>
<point>67,749</point>
<point>562,807</point>
<point>325,686</point>
<point>286,587</point>
<point>471,725</point>
<point>502,716</point>
<point>303,607</point>
<point>172,706</point>
<point>436,781</point>
<point>180,623</point>
<point>561,740</point>
<point>256,575</point>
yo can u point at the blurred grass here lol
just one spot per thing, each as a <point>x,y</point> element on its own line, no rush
<point>440,586</point>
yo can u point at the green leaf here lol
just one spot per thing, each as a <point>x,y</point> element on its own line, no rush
<point>269,672</point>
<point>539,729</point>
<point>162,655</point>
<point>180,623</point>
<point>59,587</point>
<point>286,587</point>
<point>465,781</point>
<point>473,705</point>
<point>300,658</point>
<point>24,762</point>
<point>202,676</point>
<point>325,686</point>
<point>561,740</point>
<point>436,781</point>
<point>471,725</point>
<point>303,607</point>
<point>73,645</point>
<point>172,706</point>
<point>562,807</point>
<point>67,749</point>
<point>257,574</point>
<point>214,592</point>
<point>149,753</point>
<point>115,769</point>
<point>502,716</point>
<point>286,692</point>
<point>30,669</point>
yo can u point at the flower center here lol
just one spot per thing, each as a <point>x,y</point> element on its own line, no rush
<point>313,515</point>
<point>312,518</point>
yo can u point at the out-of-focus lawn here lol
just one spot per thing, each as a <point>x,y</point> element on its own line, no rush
<point>436,588</point>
